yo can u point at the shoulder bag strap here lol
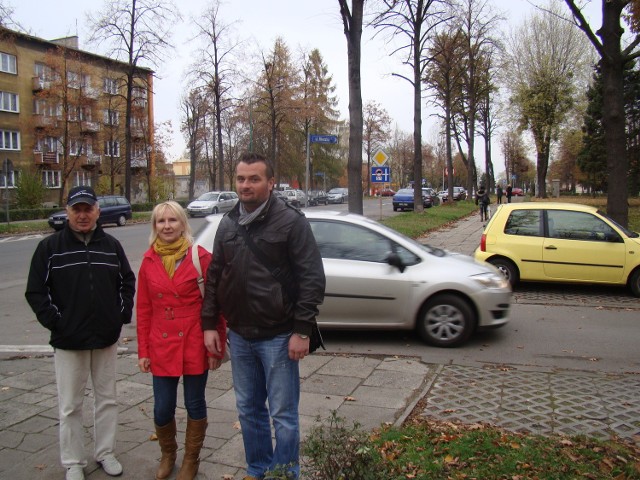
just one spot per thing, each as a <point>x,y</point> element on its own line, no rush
<point>196,263</point>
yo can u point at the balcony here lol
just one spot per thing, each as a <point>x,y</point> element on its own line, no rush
<point>137,132</point>
<point>46,158</point>
<point>90,92</point>
<point>38,84</point>
<point>138,162</point>
<point>43,121</point>
<point>89,161</point>
<point>89,127</point>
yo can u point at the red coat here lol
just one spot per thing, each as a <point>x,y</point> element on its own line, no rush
<point>168,316</point>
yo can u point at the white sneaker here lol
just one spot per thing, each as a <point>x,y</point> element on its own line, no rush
<point>75,473</point>
<point>111,466</point>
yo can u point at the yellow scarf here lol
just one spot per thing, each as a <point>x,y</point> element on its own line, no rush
<point>170,253</point>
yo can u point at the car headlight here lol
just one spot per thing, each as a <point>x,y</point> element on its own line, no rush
<point>491,280</point>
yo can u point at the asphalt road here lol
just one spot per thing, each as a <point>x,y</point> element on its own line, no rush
<point>591,330</point>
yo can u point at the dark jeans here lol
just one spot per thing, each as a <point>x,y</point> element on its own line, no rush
<point>165,393</point>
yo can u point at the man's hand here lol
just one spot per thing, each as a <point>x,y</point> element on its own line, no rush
<point>212,342</point>
<point>298,347</point>
<point>214,363</point>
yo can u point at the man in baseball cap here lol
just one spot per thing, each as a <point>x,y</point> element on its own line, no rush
<point>81,288</point>
<point>81,195</point>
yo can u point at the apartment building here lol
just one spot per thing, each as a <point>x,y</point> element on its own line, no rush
<point>62,117</point>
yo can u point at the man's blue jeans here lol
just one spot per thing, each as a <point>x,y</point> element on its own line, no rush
<point>165,395</point>
<point>262,371</point>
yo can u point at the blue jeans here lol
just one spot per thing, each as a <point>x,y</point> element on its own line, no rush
<point>165,395</point>
<point>262,371</point>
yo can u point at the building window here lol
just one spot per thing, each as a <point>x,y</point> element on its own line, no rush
<point>51,178</point>
<point>112,149</point>
<point>9,140</point>
<point>9,102</point>
<point>47,145</point>
<point>73,79</point>
<point>138,150</point>
<point>110,86</point>
<point>81,179</point>
<point>111,117</point>
<point>44,72</point>
<point>43,107</point>
<point>8,63</point>
<point>13,179</point>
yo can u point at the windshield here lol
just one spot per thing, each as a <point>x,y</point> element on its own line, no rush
<point>209,197</point>
<point>405,191</point>
<point>335,190</point>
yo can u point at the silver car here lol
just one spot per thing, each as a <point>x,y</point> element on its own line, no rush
<point>378,279</point>
<point>212,202</point>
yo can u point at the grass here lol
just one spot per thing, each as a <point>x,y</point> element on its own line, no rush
<point>415,225</point>
<point>429,449</point>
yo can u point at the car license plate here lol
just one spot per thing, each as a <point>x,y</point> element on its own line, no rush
<point>403,204</point>
<point>58,222</point>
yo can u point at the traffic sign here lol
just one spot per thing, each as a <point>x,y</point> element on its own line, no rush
<point>380,174</point>
<point>380,158</point>
<point>323,138</point>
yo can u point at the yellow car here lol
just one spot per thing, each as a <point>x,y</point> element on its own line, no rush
<point>560,242</point>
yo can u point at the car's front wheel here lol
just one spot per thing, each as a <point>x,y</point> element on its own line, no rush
<point>122,221</point>
<point>507,268</point>
<point>214,210</point>
<point>446,320</point>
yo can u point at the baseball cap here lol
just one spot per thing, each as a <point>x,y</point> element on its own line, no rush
<point>81,195</point>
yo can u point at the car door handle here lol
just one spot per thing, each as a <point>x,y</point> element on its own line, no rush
<point>551,247</point>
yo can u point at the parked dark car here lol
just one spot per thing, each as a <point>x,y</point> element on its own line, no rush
<point>403,199</point>
<point>113,209</point>
<point>317,197</point>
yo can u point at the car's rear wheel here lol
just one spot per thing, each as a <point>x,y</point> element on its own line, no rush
<point>507,268</point>
<point>446,320</point>
<point>122,221</point>
<point>634,282</point>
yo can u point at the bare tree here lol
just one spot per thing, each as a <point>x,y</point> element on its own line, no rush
<point>352,22</point>
<point>476,23</point>
<point>444,79</point>
<point>613,58</point>
<point>543,58</point>
<point>376,132</point>
<point>414,21</point>
<point>135,31</point>
<point>194,108</point>
<point>217,70</point>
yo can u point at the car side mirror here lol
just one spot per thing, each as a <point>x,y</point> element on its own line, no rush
<point>394,260</point>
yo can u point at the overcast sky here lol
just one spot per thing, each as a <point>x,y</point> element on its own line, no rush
<point>301,23</point>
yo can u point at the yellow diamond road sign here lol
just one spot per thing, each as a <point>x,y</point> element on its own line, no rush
<point>380,158</point>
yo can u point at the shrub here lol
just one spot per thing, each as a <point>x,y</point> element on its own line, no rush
<point>337,451</point>
<point>30,192</point>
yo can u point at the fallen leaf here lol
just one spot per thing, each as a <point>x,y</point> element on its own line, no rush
<point>236,425</point>
<point>153,437</point>
<point>349,399</point>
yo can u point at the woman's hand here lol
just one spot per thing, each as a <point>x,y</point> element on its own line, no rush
<point>214,363</point>
<point>144,364</point>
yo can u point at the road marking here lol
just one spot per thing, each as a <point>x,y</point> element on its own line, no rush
<point>38,349</point>
<point>21,237</point>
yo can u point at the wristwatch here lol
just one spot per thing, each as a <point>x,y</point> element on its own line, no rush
<point>304,337</point>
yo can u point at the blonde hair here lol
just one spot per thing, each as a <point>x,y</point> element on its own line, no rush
<point>176,209</point>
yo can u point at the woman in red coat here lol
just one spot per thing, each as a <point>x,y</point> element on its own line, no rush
<point>170,338</point>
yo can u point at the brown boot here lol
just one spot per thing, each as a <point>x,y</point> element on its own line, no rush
<point>193,441</point>
<point>168,447</point>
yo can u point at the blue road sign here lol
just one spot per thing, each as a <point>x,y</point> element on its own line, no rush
<point>323,138</point>
<point>380,174</point>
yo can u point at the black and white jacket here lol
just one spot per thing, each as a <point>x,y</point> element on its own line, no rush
<point>82,292</point>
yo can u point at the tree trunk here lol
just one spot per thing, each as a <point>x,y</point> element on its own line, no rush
<point>353,32</point>
<point>613,118</point>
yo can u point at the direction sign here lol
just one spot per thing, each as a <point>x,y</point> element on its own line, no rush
<point>323,138</point>
<point>380,174</point>
<point>380,158</point>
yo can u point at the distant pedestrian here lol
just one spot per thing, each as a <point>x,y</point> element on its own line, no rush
<point>509,193</point>
<point>482,200</point>
<point>499,194</point>
<point>81,288</point>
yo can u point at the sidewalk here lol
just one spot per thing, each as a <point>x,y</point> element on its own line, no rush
<point>371,390</point>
